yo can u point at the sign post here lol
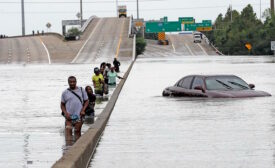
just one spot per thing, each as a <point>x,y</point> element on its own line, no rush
<point>273,47</point>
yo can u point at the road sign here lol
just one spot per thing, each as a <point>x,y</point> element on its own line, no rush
<point>201,29</point>
<point>70,22</point>
<point>207,21</point>
<point>186,20</point>
<point>273,45</point>
<point>205,26</point>
<point>248,46</point>
<point>155,27</point>
<point>161,36</point>
<point>48,25</point>
<point>139,24</point>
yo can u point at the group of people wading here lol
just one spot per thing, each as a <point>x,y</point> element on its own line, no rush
<point>77,102</point>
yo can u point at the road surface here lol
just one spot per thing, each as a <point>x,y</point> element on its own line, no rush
<point>107,40</point>
<point>24,50</point>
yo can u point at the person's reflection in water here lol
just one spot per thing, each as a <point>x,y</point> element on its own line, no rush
<point>74,102</point>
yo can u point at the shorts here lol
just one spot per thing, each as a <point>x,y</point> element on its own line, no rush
<point>112,84</point>
<point>75,119</point>
<point>100,92</point>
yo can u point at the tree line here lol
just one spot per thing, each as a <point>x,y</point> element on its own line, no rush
<point>233,31</point>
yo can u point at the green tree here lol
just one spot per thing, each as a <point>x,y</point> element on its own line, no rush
<point>231,36</point>
<point>74,31</point>
<point>140,45</point>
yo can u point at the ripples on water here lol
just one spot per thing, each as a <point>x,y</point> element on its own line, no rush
<point>148,130</point>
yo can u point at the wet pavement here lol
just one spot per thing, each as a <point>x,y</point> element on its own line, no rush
<point>31,127</point>
<point>148,130</point>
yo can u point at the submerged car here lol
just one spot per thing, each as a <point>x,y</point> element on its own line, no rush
<point>213,86</point>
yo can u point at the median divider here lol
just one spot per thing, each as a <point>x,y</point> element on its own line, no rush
<point>82,151</point>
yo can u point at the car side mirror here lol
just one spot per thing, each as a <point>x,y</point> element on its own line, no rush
<point>200,88</point>
<point>252,86</point>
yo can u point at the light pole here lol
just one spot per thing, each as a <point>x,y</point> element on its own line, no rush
<point>81,13</point>
<point>272,7</point>
<point>117,8</point>
<point>260,9</point>
<point>23,17</point>
<point>231,11</point>
<point>137,10</point>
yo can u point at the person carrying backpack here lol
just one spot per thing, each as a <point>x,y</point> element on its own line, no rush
<point>74,102</point>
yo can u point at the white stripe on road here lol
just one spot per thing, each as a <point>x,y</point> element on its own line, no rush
<point>47,51</point>
<point>186,45</point>
<point>202,49</point>
<point>172,44</point>
<point>73,61</point>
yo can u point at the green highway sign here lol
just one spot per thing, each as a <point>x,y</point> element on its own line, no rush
<point>204,26</point>
<point>207,21</point>
<point>186,20</point>
<point>155,27</point>
<point>188,25</point>
<point>165,19</point>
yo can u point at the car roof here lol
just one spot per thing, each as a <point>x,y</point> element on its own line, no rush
<point>205,76</point>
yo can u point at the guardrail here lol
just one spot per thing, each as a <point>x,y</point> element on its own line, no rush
<point>216,50</point>
<point>130,26</point>
<point>83,28</point>
<point>212,45</point>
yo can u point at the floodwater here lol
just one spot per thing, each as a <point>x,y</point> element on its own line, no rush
<point>148,130</point>
<point>31,127</point>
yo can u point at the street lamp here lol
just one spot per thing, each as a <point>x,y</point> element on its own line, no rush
<point>117,8</point>
<point>23,17</point>
<point>81,13</point>
<point>231,11</point>
<point>260,9</point>
<point>137,10</point>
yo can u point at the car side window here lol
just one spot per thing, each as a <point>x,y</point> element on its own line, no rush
<point>186,82</point>
<point>197,82</point>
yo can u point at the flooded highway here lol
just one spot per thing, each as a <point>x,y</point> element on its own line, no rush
<point>31,127</point>
<point>148,130</point>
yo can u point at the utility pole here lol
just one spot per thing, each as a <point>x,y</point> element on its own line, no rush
<point>231,13</point>
<point>272,7</point>
<point>81,13</point>
<point>261,10</point>
<point>117,8</point>
<point>137,10</point>
<point>23,17</point>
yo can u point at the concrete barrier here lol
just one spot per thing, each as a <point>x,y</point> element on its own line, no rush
<point>83,28</point>
<point>82,151</point>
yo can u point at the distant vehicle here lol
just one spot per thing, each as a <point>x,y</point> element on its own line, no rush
<point>197,36</point>
<point>122,11</point>
<point>71,37</point>
<point>213,86</point>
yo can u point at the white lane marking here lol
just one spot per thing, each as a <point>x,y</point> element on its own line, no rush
<point>172,44</point>
<point>202,49</point>
<point>186,45</point>
<point>47,51</point>
<point>73,61</point>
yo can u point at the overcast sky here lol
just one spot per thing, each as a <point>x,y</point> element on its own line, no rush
<point>40,12</point>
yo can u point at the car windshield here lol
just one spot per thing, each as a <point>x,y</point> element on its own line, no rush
<point>225,83</point>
